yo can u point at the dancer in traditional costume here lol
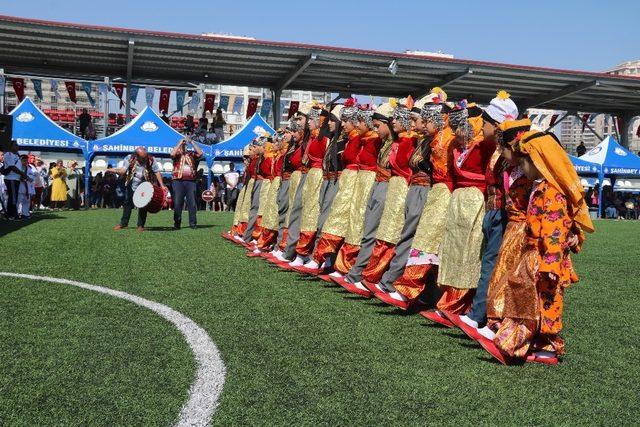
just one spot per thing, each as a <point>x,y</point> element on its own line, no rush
<point>312,158</point>
<point>526,302</point>
<point>235,232</point>
<point>501,113</point>
<point>393,217</point>
<point>419,186</point>
<point>253,199</point>
<point>461,252</point>
<point>296,158</point>
<point>369,198</point>
<point>276,151</point>
<point>422,260</point>
<point>346,156</point>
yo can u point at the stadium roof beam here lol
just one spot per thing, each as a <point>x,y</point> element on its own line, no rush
<point>553,96</point>
<point>299,69</point>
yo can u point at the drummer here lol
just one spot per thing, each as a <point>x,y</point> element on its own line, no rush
<point>185,165</point>
<point>136,168</point>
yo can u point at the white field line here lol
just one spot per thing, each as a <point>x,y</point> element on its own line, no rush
<point>207,385</point>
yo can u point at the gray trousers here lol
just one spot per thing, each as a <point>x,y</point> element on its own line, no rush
<point>283,207</point>
<point>253,212</point>
<point>372,216</point>
<point>295,219</point>
<point>416,199</point>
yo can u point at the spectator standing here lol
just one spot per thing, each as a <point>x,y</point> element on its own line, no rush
<point>26,190</point>
<point>85,120</point>
<point>185,164</point>
<point>74,190</point>
<point>164,117</point>
<point>96,190</point>
<point>39,185</point>
<point>231,179</point>
<point>581,149</point>
<point>218,125</point>
<point>3,187</point>
<point>13,173</point>
<point>188,125</point>
<point>59,185</point>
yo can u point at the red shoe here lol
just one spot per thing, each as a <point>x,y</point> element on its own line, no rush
<point>325,277</point>
<point>493,350</point>
<point>469,330</point>
<point>227,235</point>
<point>350,287</point>
<point>436,317</point>
<point>118,228</point>
<point>385,297</point>
<point>266,255</point>
<point>534,358</point>
<point>338,280</point>
<point>307,271</point>
<point>140,229</point>
<point>253,254</point>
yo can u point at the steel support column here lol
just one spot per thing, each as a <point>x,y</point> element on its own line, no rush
<point>276,95</point>
<point>127,115</point>
<point>626,120</point>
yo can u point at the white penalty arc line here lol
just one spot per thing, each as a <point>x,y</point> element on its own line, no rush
<point>209,381</point>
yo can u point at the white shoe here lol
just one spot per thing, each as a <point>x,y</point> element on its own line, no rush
<point>276,253</point>
<point>336,274</point>
<point>256,251</point>
<point>312,265</point>
<point>280,257</point>
<point>297,262</point>
<point>398,296</point>
<point>466,319</point>
<point>238,238</point>
<point>360,286</point>
<point>487,333</point>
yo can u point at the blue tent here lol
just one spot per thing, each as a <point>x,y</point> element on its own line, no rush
<point>232,147</point>
<point>613,160</point>
<point>147,130</point>
<point>584,167</point>
<point>33,130</point>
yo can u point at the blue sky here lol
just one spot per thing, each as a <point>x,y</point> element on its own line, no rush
<point>582,35</point>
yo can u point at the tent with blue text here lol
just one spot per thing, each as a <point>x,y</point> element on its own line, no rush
<point>33,130</point>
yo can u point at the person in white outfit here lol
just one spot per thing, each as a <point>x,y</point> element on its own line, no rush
<point>26,189</point>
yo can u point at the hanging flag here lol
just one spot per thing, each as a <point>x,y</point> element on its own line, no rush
<point>194,103</point>
<point>532,117</point>
<point>265,110</point>
<point>86,86</point>
<point>103,88</point>
<point>553,120</point>
<point>541,118</point>
<point>163,104</point>
<point>133,93</point>
<point>37,87</point>
<point>71,89</point>
<point>180,95</point>
<point>584,119</point>
<point>3,81</point>
<point>18,87</point>
<point>293,109</point>
<point>238,103</point>
<point>149,94</point>
<point>283,104</point>
<point>209,101</point>
<point>54,89</point>
<point>224,102</point>
<point>119,88</point>
<point>252,106</point>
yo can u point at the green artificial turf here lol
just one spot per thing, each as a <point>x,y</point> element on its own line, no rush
<point>297,350</point>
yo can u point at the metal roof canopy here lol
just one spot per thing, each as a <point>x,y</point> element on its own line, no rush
<point>158,58</point>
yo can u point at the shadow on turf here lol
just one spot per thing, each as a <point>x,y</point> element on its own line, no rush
<point>157,228</point>
<point>7,226</point>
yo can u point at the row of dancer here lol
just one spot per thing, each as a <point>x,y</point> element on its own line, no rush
<point>462,214</point>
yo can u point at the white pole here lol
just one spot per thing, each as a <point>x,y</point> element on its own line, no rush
<point>105,111</point>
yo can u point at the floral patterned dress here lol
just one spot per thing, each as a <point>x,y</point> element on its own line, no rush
<point>535,296</point>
